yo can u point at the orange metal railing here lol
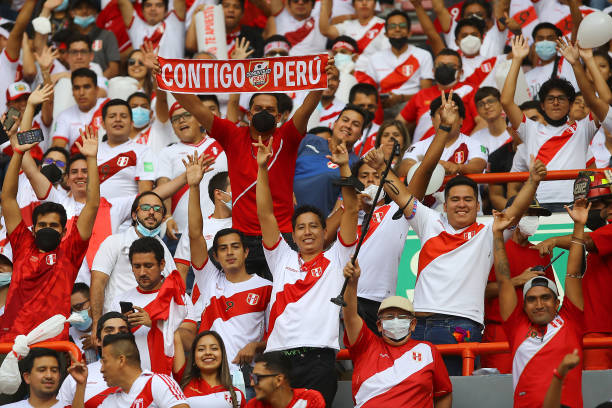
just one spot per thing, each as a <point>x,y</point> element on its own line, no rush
<point>523,176</point>
<point>75,352</point>
<point>469,351</point>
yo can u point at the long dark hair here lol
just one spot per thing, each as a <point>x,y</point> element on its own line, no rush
<point>225,378</point>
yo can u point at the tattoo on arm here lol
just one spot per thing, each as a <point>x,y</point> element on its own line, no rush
<point>502,266</point>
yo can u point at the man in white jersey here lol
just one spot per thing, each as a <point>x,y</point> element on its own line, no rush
<point>561,143</point>
<point>86,112</point>
<point>228,300</point>
<point>162,26</point>
<point>330,107</point>
<point>456,255</point>
<point>366,97</point>
<point>132,386</point>
<point>97,390</point>
<point>304,282</point>
<point>220,193</point>
<point>489,107</point>
<point>299,25</point>
<point>399,71</point>
<point>41,371</point>
<point>367,28</point>
<point>559,12</point>
<point>468,37</point>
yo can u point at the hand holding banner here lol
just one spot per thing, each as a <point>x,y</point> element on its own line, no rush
<point>279,74</point>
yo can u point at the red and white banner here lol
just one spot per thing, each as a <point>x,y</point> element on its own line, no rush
<point>279,74</point>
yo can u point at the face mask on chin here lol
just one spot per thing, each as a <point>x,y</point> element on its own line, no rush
<point>145,232</point>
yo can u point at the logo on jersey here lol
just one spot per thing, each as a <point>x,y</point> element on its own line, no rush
<point>259,73</point>
<point>51,259</point>
<point>228,397</point>
<point>459,156</point>
<point>378,216</point>
<point>407,70</point>
<point>316,272</point>
<point>372,33</point>
<point>122,161</point>
<point>469,235</point>
<point>139,403</point>
<point>416,356</point>
<point>332,165</point>
<point>96,45</point>
<point>252,299</point>
<point>486,67</point>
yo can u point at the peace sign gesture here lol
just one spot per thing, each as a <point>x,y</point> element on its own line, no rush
<point>449,112</point>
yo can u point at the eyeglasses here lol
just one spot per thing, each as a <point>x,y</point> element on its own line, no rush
<point>256,377</point>
<point>79,52</point>
<point>278,54</point>
<point>393,26</point>
<point>392,316</point>
<point>148,207</point>
<point>176,118</point>
<point>58,163</point>
<point>132,62</point>
<point>79,306</point>
<point>558,98</point>
<point>488,102</point>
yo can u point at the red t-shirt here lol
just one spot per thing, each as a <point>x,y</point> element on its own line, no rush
<point>597,283</point>
<point>41,283</point>
<point>242,166</point>
<point>536,355</point>
<point>412,374</point>
<point>520,258</point>
<point>302,398</point>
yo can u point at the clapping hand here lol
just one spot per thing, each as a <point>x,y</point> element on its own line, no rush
<point>89,145</point>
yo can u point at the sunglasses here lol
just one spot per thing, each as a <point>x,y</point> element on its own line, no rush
<point>148,207</point>
<point>58,163</point>
<point>176,118</point>
<point>132,62</point>
<point>255,378</point>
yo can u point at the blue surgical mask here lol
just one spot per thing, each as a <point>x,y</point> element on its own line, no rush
<point>62,6</point>
<point>84,21</point>
<point>546,50</point>
<point>342,60</point>
<point>86,321</point>
<point>140,116</point>
<point>5,278</point>
<point>145,232</point>
<point>228,204</point>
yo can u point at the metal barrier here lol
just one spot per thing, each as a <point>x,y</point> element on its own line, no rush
<point>523,176</point>
<point>71,348</point>
<point>469,351</point>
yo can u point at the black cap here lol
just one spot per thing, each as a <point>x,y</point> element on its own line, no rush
<point>93,3</point>
<point>534,208</point>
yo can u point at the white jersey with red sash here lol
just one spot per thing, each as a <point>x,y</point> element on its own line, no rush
<point>524,12</point>
<point>301,293</point>
<point>168,34</point>
<point>149,390</point>
<point>96,390</point>
<point>552,11</point>
<point>559,148</point>
<point>492,43</point>
<point>329,114</point>
<point>398,74</point>
<point>170,165</point>
<point>453,265</point>
<point>538,350</point>
<point>143,136</point>
<point>536,76</point>
<point>370,37</point>
<point>380,263</point>
<point>484,73</point>
<point>369,140</point>
<point>121,167</point>
<point>303,35</point>
<point>234,310</point>
<point>71,121</point>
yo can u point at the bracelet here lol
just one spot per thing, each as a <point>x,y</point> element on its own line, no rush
<point>577,239</point>
<point>16,150</point>
<point>567,275</point>
<point>576,242</point>
<point>445,128</point>
<point>557,374</point>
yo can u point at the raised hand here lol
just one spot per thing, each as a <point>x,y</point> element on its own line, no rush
<point>501,221</point>
<point>89,146</point>
<point>339,154</point>
<point>41,94</point>
<point>241,50</point>
<point>568,50</point>
<point>375,158</point>
<point>263,152</point>
<point>46,57</point>
<point>149,53</point>
<point>330,68</point>
<point>78,371</point>
<point>52,4</point>
<point>193,169</point>
<point>520,47</point>
<point>449,112</point>
<point>585,53</point>
<point>352,272</point>
<point>537,170</point>
<point>525,276</point>
<point>579,211</point>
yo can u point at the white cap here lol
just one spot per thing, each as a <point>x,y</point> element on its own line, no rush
<point>17,89</point>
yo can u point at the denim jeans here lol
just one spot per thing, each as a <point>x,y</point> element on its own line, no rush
<point>446,329</point>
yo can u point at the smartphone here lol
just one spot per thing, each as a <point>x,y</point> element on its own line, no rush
<point>30,136</point>
<point>126,307</point>
<point>3,135</point>
<point>11,116</point>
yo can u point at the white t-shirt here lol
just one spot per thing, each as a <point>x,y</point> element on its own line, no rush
<point>26,404</point>
<point>168,34</point>
<point>112,260</point>
<point>162,392</point>
<point>95,385</point>
<point>380,263</point>
<point>9,71</point>
<point>304,35</point>
<point>234,310</point>
<point>492,43</point>
<point>540,74</point>
<point>339,8</point>
<point>210,228</point>
<point>71,121</point>
<point>301,314</point>
<point>122,166</point>
<point>170,165</point>
<point>559,148</point>
<point>370,37</point>
<point>401,74</point>
<point>492,143</point>
<point>600,151</point>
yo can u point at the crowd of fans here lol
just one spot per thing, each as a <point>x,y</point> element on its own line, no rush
<point>200,238</point>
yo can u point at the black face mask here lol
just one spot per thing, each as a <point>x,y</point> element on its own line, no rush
<point>552,122</point>
<point>398,43</point>
<point>594,220</point>
<point>445,74</point>
<point>263,121</point>
<point>47,239</point>
<point>51,172</point>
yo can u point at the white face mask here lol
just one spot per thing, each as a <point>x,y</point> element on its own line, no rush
<point>528,225</point>
<point>370,192</point>
<point>396,329</point>
<point>470,45</point>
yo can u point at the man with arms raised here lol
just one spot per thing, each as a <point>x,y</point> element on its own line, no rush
<point>456,254</point>
<point>305,281</point>
<point>540,334</point>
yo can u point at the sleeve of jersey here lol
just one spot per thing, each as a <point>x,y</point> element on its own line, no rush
<point>602,238</point>
<point>364,72</point>
<point>573,314</point>
<point>183,254</point>
<point>441,381</point>
<point>164,165</point>
<point>423,216</point>
<point>146,166</point>
<point>607,123</point>
<point>476,150</point>
<point>426,63</point>
<point>275,254</point>
<point>61,129</point>
<point>522,129</point>
<point>75,247</point>
<point>360,345</point>
<point>222,130</point>
<point>591,126</point>
<point>313,398</point>
<point>512,323</point>
<point>66,392</point>
<point>106,257</point>
<point>204,274</point>
<point>166,392</point>
<point>343,250</point>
